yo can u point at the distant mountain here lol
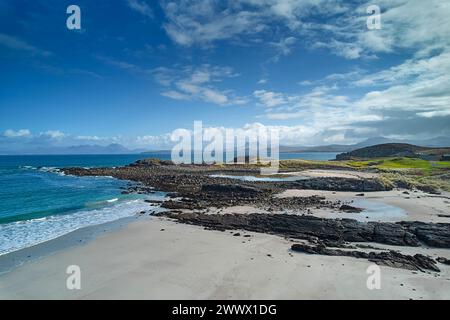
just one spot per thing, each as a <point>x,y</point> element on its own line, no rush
<point>438,142</point>
<point>394,150</point>
<point>156,152</point>
<point>114,148</point>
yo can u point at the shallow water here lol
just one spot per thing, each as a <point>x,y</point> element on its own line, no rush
<point>39,203</point>
<point>373,211</point>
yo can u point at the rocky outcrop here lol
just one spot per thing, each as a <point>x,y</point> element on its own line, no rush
<point>443,260</point>
<point>389,258</point>
<point>433,234</point>
<point>230,189</point>
<point>307,227</point>
<point>326,233</point>
<point>196,183</point>
<point>343,184</point>
<point>348,208</point>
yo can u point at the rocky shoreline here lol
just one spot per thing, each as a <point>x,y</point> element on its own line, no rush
<point>196,182</point>
<point>192,191</point>
<point>324,234</point>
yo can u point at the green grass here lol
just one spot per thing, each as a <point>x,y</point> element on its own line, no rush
<point>400,171</point>
<point>401,163</point>
<point>403,172</point>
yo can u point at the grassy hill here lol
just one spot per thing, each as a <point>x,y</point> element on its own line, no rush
<point>395,150</point>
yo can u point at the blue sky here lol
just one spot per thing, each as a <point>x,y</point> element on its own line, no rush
<point>139,69</point>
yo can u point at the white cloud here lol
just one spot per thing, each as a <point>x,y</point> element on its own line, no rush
<point>405,24</point>
<point>17,134</point>
<point>409,71</point>
<point>284,46</point>
<point>53,134</point>
<point>213,96</point>
<point>270,99</point>
<point>90,138</point>
<point>153,141</point>
<point>175,95</point>
<point>262,81</point>
<point>21,45</point>
<point>343,49</point>
<point>141,6</point>
<point>124,65</point>
<point>434,113</point>
<point>204,22</point>
<point>197,83</point>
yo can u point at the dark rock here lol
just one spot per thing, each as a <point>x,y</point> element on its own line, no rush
<point>154,201</point>
<point>348,208</point>
<point>443,260</point>
<point>307,227</point>
<point>342,184</point>
<point>428,189</point>
<point>432,234</point>
<point>390,258</point>
<point>230,189</point>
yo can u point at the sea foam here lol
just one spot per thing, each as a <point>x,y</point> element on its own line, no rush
<point>21,234</point>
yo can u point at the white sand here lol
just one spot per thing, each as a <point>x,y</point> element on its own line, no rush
<point>187,262</point>
<point>417,206</point>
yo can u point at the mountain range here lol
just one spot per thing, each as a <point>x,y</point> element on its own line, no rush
<point>116,148</point>
<point>434,142</point>
<point>113,148</point>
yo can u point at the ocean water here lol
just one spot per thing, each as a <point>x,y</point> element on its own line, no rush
<point>322,156</point>
<point>38,203</point>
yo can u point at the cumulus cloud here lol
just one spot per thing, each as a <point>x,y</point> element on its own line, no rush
<point>197,83</point>
<point>9,133</point>
<point>53,134</point>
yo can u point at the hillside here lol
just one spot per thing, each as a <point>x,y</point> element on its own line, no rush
<point>395,150</point>
<point>437,142</point>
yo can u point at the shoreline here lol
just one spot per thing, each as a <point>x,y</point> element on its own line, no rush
<point>155,258</point>
<point>78,237</point>
<point>172,256</point>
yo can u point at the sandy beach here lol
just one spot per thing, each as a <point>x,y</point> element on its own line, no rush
<point>189,252</point>
<point>155,258</point>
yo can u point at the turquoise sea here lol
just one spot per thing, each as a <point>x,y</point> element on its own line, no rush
<point>39,203</point>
